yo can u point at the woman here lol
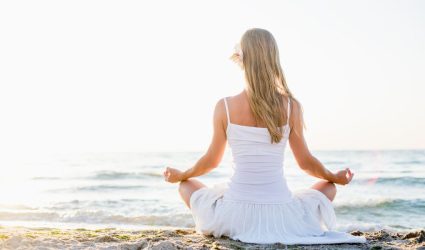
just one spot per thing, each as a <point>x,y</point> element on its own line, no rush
<point>256,205</point>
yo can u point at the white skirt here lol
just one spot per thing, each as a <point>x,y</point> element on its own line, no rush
<point>307,219</point>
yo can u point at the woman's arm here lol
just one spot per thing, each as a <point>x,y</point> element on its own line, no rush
<point>214,154</point>
<point>306,161</point>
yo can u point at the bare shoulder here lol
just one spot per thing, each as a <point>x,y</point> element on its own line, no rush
<point>296,120</point>
<point>220,112</point>
<point>235,98</point>
<point>296,107</point>
<point>219,106</point>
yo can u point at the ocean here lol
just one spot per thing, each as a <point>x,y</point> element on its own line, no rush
<point>127,190</point>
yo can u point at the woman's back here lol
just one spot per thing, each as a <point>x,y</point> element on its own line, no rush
<point>258,164</point>
<point>241,113</point>
<point>256,205</point>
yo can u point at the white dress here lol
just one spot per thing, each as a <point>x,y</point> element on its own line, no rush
<point>256,205</point>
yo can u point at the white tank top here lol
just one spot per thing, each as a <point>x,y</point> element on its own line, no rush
<point>258,164</point>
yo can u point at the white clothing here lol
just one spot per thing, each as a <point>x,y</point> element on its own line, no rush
<point>256,205</point>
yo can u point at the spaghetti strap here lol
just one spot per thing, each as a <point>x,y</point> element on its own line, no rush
<point>227,111</point>
<point>289,109</point>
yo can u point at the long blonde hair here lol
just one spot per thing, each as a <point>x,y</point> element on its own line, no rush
<point>266,84</point>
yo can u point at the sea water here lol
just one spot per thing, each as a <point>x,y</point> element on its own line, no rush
<point>127,190</point>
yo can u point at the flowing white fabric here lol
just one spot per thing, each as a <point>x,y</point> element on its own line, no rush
<point>256,205</point>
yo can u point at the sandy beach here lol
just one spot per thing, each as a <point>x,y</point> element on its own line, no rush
<point>177,238</point>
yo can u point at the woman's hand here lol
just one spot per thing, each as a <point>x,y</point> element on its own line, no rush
<point>343,177</point>
<point>172,175</point>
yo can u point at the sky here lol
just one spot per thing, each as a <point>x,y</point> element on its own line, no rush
<point>92,76</point>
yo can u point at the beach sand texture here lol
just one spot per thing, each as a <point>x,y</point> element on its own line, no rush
<point>111,238</point>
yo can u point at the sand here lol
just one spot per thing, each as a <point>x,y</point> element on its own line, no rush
<point>111,238</point>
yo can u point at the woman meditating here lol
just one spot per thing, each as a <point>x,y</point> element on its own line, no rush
<point>256,205</point>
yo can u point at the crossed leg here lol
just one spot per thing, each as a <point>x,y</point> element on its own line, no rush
<point>187,187</point>
<point>327,188</point>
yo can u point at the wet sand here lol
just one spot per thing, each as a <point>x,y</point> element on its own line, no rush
<point>111,238</point>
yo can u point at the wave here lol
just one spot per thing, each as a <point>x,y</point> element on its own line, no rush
<point>109,187</point>
<point>146,205</point>
<point>367,202</point>
<point>99,188</point>
<point>411,162</point>
<point>384,204</point>
<point>101,217</point>
<point>404,181</point>
<point>112,175</point>
<point>16,207</point>
<point>347,226</point>
<point>106,175</point>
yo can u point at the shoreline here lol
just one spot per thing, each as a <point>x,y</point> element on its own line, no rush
<point>19,237</point>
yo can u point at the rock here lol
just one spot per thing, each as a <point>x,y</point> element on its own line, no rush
<point>163,245</point>
<point>106,238</point>
<point>418,236</point>
<point>133,246</point>
<point>410,235</point>
<point>421,237</point>
<point>380,235</point>
<point>181,232</point>
<point>357,233</point>
<point>107,248</point>
<point>13,242</point>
